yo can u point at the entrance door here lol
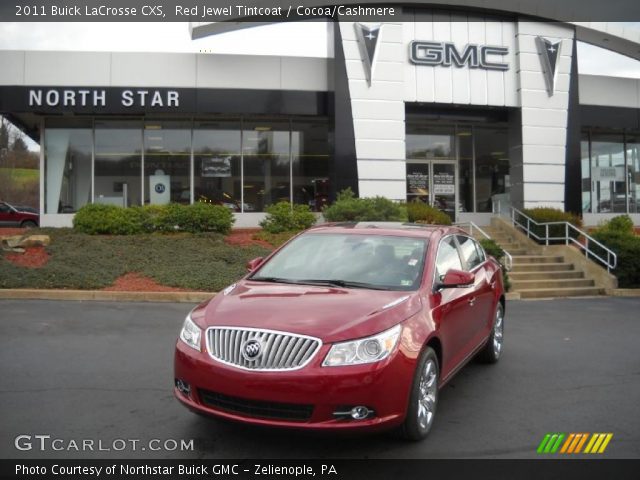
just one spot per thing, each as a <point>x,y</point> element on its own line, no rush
<point>434,183</point>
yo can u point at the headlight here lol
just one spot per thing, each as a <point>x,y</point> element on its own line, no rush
<point>191,333</point>
<point>364,350</point>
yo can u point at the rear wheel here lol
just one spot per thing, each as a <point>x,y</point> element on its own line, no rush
<point>424,398</point>
<point>493,349</point>
<point>28,224</point>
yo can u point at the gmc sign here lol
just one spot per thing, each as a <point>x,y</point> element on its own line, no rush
<point>446,54</point>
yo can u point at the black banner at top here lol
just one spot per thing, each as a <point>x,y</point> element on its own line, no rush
<point>205,11</point>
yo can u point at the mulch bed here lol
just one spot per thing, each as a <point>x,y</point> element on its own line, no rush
<point>134,282</point>
<point>33,257</point>
<point>12,231</point>
<point>244,237</point>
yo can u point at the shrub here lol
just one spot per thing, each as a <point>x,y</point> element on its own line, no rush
<point>620,224</point>
<point>109,219</point>
<point>349,208</point>
<point>420,212</point>
<point>282,217</point>
<point>492,248</point>
<point>96,219</point>
<point>204,217</point>
<point>617,234</point>
<point>547,214</point>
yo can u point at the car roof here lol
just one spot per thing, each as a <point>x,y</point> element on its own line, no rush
<point>386,228</point>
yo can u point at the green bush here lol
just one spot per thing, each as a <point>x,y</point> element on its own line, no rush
<point>547,214</point>
<point>492,248</point>
<point>282,217</point>
<point>620,224</point>
<point>96,219</point>
<point>420,212</point>
<point>617,234</point>
<point>349,208</point>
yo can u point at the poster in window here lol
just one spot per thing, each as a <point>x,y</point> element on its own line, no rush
<point>216,167</point>
<point>443,184</point>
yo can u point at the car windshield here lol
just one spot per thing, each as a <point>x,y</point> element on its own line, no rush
<point>381,262</point>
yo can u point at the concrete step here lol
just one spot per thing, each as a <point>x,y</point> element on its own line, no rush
<point>516,251</point>
<point>542,267</point>
<point>561,292</point>
<point>520,259</point>
<point>519,285</point>
<point>562,275</point>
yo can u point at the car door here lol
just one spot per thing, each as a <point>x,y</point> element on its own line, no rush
<point>7,215</point>
<point>482,303</point>
<point>451,307</point>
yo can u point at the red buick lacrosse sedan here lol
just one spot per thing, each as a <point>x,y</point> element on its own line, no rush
<point>347,326</point>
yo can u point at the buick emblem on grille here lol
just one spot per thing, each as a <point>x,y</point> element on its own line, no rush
<point>251,349</point>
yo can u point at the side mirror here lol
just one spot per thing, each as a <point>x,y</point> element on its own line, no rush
<point>255,263</point>
<point>457,278</point>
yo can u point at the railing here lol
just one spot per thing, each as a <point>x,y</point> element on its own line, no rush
<point>526,223</point>
<point>508,259</point>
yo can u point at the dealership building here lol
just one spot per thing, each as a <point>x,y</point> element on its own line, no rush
<point>469,111</point>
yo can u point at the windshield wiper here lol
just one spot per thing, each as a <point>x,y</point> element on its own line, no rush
<point>344,284</point>
<point>275,280</point>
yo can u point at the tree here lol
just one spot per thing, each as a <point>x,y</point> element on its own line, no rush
<point>19,145</point>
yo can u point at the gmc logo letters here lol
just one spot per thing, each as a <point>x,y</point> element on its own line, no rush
<point>446,54</point>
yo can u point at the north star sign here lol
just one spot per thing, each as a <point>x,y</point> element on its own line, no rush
<point>446,54</point>
<point>68,97</point>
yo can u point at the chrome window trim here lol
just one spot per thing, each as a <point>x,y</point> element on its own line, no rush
<point>319,344</point>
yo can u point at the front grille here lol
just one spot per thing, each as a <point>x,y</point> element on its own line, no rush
<point>256,408</point>
<point>275,350</point>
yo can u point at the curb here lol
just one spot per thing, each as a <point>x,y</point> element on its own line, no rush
<point>624,292</point>
<point>105,296</point>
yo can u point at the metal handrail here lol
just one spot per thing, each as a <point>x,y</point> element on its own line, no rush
<point>611,261</point>
<point>508,263</point>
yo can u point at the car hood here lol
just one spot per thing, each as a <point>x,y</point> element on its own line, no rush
<point>329,313</point>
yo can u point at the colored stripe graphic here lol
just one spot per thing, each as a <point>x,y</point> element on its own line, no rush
<point>550,443</point>
<point>572,443</point>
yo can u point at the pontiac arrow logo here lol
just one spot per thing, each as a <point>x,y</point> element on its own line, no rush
<point>549,54</point>
<point>368,41</point>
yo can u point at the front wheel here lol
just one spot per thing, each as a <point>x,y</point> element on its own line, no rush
<point>493,349</point>
<point>28,224</point>
<point>423,399</point>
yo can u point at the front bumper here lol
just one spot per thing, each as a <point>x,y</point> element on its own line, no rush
<point>253,397</point>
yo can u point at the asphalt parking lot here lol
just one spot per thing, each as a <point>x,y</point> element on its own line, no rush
<point>103,371</point>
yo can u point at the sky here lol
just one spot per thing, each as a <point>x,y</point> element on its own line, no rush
<point>310,40</point>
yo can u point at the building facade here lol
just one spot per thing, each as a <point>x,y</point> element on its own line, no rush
<point>468,112</point>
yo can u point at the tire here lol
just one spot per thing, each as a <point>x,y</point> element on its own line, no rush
<point>493,349</point>
<point>28,224</point>
<point>423,400</point>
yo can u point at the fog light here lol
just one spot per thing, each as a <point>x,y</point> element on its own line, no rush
<point>360,413</point>
<point>183,387</point>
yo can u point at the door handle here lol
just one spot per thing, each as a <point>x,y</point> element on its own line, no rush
<point>472,301</point>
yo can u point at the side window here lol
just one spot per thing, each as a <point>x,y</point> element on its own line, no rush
<point>470,252</point>
<point>447,257</point>
<point>480,250</point>
<point>4,208</point>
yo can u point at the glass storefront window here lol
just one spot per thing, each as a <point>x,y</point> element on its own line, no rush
<point>216,168</point>
<point>68,152</point>
<point>118,162</point>
<point>137,162</point>
<point>464,137</point>
<point>267,168</point>
<point>310,164</point>
<point>167,162</point>
<point>608,173</point>
<point>633,172</point>
<point>492,167</point>
<point>586,172</point>
<point>430,142</point>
